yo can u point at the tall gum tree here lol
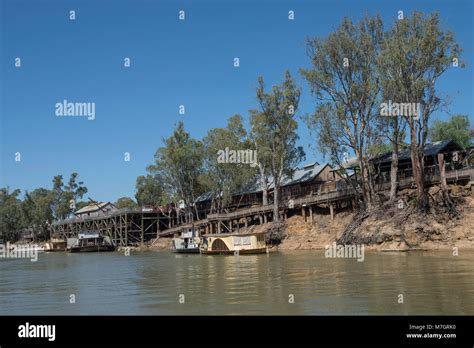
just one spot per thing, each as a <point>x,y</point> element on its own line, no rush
<point>274,129</point>
<point>179,165</point>
<point>416,52</point>
<point>344,81</point>
<point>222,180</point>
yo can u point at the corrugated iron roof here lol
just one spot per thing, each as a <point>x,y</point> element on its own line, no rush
<point>307,173</point>
<point>92,207</point>
<point>430,149</point>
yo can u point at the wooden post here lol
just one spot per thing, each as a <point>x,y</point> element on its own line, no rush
<point>260,219</point>
<point>230,225</point>
<point>331,210</point>
<point>311,214</point>
<point>245,222</point>
<point>442,178</point>
<point>303,213</point>
<point>142,231</point>
<point>265,218</point>
<point>121,230</point>
<point>115,230</point>
<point>219,226</point>
<point>126,229</point>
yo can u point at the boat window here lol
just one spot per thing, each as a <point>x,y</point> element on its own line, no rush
<point>246,240</point>
<point>237,241</point>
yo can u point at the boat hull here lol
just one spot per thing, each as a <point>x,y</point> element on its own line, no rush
<point>233,252</point>
<point>187,251</point>
<point>92,248</point>
<point>54,250</point>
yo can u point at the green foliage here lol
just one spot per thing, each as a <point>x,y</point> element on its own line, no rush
<point>149,191</point>
<point>39,207</point>
<point>10,213</point>
<point>37,210</point>
<point>457,128</point>
<point>415,53</point>
<point>81,204</point>
<point>179,165</point>
<point>377,149</point>
<point>125,202</point>
<point>344,81</point>
<point>274,130</point>
<point>66,196</point>
<point>221,180</point>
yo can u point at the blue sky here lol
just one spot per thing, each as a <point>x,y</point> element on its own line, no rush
<point>173,62</point>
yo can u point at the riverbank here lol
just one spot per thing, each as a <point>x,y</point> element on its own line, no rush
<point>391,226</point>
<point>400,226</point>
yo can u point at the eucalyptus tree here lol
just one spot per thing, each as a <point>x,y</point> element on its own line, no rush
<point>223,178</point>
<point>259,135</point>
<point>10,213</point>
<point>149,191</point>
<point>456,128</point>
<point>179,165</point>
<point>416,52</point>
<point>37,210</point>
<point>343,79</point>
<point>126,202</point>
<point>64,197</point>
<point>274,130</point>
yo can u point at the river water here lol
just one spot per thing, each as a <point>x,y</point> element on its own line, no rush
<point>287,283</point>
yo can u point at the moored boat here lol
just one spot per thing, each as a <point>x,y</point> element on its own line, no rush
<point>55,244</point>
<point>89,242</point>
<point>187,242</point>
<point>233,243</point>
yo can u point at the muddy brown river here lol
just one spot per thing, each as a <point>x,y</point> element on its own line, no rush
<point>282,283</point>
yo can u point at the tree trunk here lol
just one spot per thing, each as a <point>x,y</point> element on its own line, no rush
<point>418,176</point>
<point>393,173</point>
<point>197,211</point>
<point>366,191</point>
<point>263,182</point>
<point>265,196</point>
<point>442,179</point>
<point>276,198</point>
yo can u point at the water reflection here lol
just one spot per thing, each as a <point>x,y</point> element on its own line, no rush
<point>299,282</point>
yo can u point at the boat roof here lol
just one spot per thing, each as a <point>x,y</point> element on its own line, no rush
<point>87,235</point>
<point>236,234</point>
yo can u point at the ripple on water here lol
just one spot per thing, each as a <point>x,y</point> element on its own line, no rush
<point>151,283</point>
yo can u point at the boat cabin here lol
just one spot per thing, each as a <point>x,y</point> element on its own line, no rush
<point>234,243</point>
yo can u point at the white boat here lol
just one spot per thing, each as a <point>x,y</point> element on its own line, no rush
<point>187,242</point>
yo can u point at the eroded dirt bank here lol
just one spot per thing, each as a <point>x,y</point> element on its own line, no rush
<point>391,226</point>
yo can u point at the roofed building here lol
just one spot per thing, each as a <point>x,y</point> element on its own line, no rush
<point>95,209</point>
<point>454,157</point>
<point>310,179</point>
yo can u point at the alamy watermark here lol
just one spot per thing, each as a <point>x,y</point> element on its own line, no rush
<point>237,156</point>
<point>400,109</point>
<point>353,251</point>
<point>37,331</point>
<point>75,109</point>
<point>14,251</point>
